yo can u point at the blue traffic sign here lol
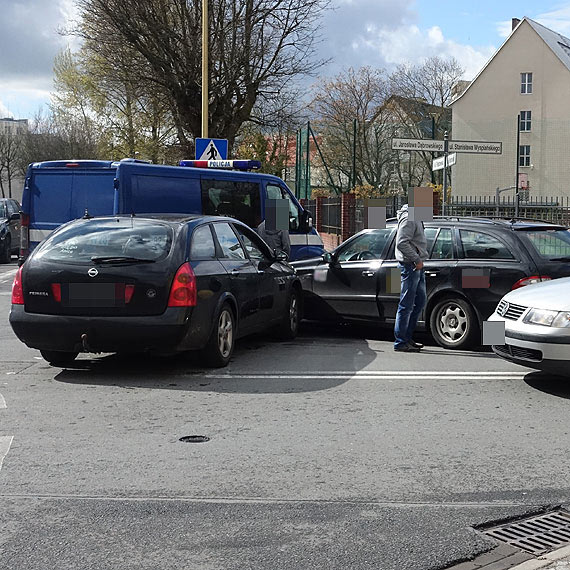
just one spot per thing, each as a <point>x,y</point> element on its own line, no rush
<point>211,149</point>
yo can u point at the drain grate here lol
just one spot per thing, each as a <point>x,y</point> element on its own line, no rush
<point>535,535</point>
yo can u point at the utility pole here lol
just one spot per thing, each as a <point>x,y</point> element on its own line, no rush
<point>204,69</point>
<point>445,153</point>
<point>518,164</point>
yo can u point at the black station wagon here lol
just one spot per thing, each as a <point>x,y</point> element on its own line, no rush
<point>472,263</point>
<point>165,283</point>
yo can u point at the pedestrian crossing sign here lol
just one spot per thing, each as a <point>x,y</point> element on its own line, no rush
<point>211,149</point>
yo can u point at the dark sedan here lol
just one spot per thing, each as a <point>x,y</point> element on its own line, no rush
<point>9,229</point>
<point>472,263</point>
<point>158,283</point>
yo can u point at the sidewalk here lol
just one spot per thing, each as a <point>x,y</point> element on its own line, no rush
<point>557,560</point>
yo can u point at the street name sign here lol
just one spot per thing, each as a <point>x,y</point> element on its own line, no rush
<point>429,145</point>
<point>438,163</point>
<point>476,147</point>
<point>211,149</point>
<point>417,144</point>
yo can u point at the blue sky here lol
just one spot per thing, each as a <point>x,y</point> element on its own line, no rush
<point>380,33</point>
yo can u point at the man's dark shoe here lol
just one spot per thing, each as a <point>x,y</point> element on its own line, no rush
<point>416,344</point>
<point>406,348</point>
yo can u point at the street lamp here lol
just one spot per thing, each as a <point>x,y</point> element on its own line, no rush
<point>204,69</point>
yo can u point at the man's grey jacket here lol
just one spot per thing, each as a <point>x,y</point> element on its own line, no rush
<point>275,239</point>
<point>411,243</point>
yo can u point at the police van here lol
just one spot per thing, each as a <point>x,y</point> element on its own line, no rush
<point>59,191</point>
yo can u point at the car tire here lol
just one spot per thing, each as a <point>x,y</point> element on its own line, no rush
<point>220,346</point>
<point>6,251</point>
<point>454,324</point>
<point>289,326</point>
<point>59,358</point>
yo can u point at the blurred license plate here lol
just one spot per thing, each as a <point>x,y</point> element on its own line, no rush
<point>96,294</point>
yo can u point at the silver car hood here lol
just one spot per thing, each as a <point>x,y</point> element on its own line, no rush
<point>554,295</point>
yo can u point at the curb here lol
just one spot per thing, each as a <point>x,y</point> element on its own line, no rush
<point>546,560</point>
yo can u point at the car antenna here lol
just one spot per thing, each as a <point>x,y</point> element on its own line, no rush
<point>87,215</point>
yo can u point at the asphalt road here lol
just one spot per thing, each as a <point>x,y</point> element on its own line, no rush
<point>330,451</point>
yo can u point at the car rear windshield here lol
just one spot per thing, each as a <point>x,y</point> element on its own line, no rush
<point>107,239</point>
<point>550,244</point>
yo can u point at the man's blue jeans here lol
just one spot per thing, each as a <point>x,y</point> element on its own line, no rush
<point>412,301</point>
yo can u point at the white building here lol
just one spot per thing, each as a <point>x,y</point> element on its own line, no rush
<point>529,75</point>
<point>13,126</point>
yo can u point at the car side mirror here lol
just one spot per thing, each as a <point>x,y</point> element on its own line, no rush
<point>330,258</point>
<point>281,256</point>
<point>305,221</point>
<point>14,217</point>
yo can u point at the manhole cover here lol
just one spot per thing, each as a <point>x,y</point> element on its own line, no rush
<point>536,535</point>
<point>194,439</point>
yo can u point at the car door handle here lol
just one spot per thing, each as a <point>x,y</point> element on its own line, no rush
<point>431,273</point>
<point>235,271</point>
<point>368,273</point>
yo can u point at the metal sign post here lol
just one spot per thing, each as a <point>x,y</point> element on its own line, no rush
<point>445,153</point>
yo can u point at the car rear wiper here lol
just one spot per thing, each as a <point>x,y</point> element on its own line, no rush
<point>120,259</point>
<point>559,259</point>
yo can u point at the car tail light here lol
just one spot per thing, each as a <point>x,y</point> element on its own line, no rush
<point>530,281</point>
<point>129,290</point>
<point>17,289</point>
<point>183,290</point>
<point>24,235</point>
<point>56,292</point>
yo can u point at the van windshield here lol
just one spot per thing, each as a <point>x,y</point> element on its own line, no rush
<point>108,239</point>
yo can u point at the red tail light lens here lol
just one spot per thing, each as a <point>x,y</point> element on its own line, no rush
<point>17,289</point>
<point>530,281</point>
<point>56,292</point>
<point>129,290</point>
<point>183,290</point>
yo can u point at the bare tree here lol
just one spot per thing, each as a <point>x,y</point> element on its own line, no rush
<point>10,152</point>
<point>255,46</point>
<point>355,98</point>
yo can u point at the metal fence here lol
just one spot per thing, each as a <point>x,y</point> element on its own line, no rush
<point>554,209</point>
<point>331,209</point>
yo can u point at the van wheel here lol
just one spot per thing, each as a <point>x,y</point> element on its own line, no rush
<point>58,358</point>
<point>289,326</point>
<point>6,252</point>
<point>453,324</point>
<point>220,347</point>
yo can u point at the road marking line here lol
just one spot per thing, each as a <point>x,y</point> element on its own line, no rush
<point>8,274</point>
<point>5,443</point>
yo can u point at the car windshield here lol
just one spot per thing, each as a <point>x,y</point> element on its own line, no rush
<point>118,240</point>
<point>550,244</point>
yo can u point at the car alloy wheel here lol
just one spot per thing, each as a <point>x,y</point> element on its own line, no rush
<point>225,333</point>
<point>454,324</point>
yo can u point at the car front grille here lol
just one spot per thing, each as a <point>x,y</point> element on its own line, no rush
<point>510,310</point>
<point>518,352</point>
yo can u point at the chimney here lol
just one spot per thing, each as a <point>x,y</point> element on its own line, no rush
<point>514,23</point>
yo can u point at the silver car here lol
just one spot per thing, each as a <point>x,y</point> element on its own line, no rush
<point>537,326</point>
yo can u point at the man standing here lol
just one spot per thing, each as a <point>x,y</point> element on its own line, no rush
<point>410,252</point>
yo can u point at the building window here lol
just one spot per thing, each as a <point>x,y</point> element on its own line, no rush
<point>524,155</point>
<point>526,83</point>
<point>525,121</point>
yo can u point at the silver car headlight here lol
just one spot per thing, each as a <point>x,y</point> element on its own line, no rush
<point>562,320</point>
<point>540,317</point>
<point>558,319</point>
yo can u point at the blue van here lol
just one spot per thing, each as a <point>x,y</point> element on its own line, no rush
<point>59,191</point>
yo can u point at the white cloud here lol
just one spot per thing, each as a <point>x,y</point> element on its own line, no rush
<point>4,111</point>
<point>557,20</point>
<point>410,44</point>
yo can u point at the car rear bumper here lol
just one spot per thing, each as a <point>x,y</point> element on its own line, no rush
<point>167,331</point>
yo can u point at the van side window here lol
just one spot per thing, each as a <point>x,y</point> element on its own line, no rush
<point>238,200</point>
<point>275,193</point>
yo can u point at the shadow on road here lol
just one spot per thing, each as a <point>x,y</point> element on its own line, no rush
<point>256,366</point>
<point>549,383</point>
